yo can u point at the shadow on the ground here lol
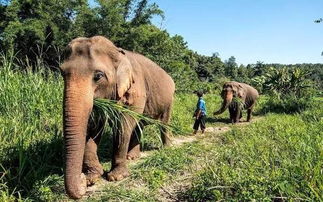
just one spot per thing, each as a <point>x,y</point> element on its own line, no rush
<point>217,120</point>
<point>223,120</point>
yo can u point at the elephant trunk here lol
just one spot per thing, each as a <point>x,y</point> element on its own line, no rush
<point>227,99</point>
<point>77,107</point>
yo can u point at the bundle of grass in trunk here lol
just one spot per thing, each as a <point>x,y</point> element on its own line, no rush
<point>111,115</point>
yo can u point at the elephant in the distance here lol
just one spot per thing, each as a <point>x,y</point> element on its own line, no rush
<point>237,96</point>
<point>96,68</point>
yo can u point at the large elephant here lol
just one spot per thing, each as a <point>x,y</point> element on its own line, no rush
<point>246,98</point>
<point>96,68</point>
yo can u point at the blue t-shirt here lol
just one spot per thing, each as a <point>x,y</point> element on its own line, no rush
<point>201,106</point>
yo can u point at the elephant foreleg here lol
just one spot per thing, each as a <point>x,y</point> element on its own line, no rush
<point>134,146</point>
<point>232,113</point>
<point>121,141</point>
<point>91,165</point>
<point>237,116</point>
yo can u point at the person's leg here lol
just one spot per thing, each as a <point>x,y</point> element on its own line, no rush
<point>196,126</point>
<point>202,123</point>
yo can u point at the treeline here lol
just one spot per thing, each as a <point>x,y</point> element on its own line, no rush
<point>256,74</point>
<point>38,30</point>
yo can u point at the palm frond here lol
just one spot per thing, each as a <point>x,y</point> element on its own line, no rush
<point>111,116</point>
<point>238,102</point>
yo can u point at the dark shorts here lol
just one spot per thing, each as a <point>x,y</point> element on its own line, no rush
<point>200,122</point>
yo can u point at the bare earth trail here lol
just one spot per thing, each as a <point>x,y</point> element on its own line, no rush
<point>171,190</point>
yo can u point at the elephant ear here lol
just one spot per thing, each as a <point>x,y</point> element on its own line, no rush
<point>124,75</point>
<point>241,92</point>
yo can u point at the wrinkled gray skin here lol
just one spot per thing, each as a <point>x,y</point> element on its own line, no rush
<point>247,94</point>
<point>96,68</point>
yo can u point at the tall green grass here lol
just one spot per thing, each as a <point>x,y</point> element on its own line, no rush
<point>30,128</point>
<point>279,158</point>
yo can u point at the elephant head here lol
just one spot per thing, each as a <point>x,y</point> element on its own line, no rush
<point>229,91</point>
<point>93,68</point>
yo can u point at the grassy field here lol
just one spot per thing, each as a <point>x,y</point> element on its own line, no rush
<point>277,157</point>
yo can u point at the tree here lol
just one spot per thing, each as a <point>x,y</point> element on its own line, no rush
<point>42,28</point>
<point>259,68</point>
<point>242,74</point>
<point>35,27</point>
<point>231,68</point>
<point>144,13</point>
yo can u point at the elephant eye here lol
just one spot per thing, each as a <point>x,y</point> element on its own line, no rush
<point>98,75</point>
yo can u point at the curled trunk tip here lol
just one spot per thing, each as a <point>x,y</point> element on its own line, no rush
<point>76,192</point>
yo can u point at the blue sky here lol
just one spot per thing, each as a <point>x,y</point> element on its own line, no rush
<point>272,31</point>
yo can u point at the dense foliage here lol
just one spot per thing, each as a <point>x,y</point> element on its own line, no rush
<point>38,31</point>
<point>290,89</point>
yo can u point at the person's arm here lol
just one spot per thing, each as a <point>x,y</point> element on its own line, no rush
<point>198,114</point>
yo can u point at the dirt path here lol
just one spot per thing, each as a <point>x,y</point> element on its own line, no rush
<point>169,191</point>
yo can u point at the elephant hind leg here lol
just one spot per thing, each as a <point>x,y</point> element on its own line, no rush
<point>165,118</point>
<point>249,111</point>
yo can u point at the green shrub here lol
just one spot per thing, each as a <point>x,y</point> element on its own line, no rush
<point>288,104</point>
<point>289,89</point>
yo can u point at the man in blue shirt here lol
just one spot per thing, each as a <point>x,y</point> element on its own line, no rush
<point>200,113</point>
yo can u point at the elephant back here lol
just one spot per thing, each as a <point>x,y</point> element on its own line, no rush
<point>251,95</point>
